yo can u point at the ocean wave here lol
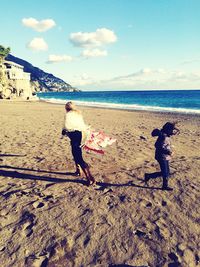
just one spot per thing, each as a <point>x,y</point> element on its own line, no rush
<point>123,106</point>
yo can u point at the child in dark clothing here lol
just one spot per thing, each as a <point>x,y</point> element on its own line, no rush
<point>163,151</point>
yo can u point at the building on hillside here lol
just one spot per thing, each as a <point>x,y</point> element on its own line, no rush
<point>19,80</point>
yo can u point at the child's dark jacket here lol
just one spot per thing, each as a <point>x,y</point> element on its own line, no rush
<point>163,148</point>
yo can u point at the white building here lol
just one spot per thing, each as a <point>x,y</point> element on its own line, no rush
<point>19,79</point>
<point>15,71</point>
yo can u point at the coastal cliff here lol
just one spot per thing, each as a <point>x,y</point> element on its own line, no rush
<point>40,80</point>
<point>19,78</point>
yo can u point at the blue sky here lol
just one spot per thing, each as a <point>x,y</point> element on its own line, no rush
<point>108,44</point>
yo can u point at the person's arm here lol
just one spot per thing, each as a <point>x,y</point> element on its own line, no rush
<point>64,130</point>
<point>166,147</point>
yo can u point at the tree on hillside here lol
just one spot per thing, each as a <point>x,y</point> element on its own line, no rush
<point>3,79</point>
<point>3,53</point>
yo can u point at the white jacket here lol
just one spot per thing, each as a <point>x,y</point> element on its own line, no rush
<point>74,122</point>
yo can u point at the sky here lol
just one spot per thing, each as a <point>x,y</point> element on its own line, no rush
<point>107,44</point>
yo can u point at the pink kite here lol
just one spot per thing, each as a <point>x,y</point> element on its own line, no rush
<point>96,141</point>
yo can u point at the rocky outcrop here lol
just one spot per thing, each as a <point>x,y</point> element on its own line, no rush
<point>4,86</point>
<point>40,80</point>
<point>3,77</point>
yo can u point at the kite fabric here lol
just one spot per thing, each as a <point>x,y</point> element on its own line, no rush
<point>96,141</point>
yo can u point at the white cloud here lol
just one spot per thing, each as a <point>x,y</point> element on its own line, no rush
<point>82,80</point>
<point>154,79</point>
<point>142,79</point>
<point>98,38</point>
<point>191,61</point>
<point>39,26</point>
<point>161,71</point>
<point>141,73</point>
<point>147,79</point>
<point>184,77</point>
<point>59,58</point>
<point>89,53</point>
<point>38,44</point>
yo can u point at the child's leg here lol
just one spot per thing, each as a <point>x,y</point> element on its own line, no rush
<point>164,166</point>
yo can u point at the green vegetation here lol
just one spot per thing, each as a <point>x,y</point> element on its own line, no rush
<point>3,53</point>
<point>3,80</point>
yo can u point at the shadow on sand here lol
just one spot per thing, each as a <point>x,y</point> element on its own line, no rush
<point>33,170</point>
<point>153,175</point>
<point>11,155</point>
<point>125,265</point>
<point>27,176</point>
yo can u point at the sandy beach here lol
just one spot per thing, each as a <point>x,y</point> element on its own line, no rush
<point>49,217</point>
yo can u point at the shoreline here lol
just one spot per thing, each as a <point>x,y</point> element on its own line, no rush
<point>161,113</point>
<point>106,108</point>
<point>156,110</point>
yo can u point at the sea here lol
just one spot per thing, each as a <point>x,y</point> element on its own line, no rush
<point>181,101</point>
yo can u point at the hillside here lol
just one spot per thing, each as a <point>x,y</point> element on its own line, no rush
<point>42,80</point>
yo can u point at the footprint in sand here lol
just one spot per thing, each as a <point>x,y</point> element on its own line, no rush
<point>188,257</point>
<point>175,259</point>
<point>164,203</point>
<point>86,211</point>
<point>38,205</point>
<point>36,261</point>
<point>2,248</point>
<point>124,198</point>
<point>27,222</point>
<point>145,203</point>
<point>162,229</point>
<point>139,233</point>
<point>86,241</point>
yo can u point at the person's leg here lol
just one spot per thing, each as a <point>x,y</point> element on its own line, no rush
<point>76,137</point>
<point>164,166</point>
<point>153,175</point>
<point>75,149</point>
<point>88,175</point>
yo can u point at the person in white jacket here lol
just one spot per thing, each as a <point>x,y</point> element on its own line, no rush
<point>74,127</point>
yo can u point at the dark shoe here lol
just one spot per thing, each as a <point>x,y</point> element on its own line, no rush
<point>78,171</point>
<point>167,188</point>
<point>88,176</point>
<point>90,182</point>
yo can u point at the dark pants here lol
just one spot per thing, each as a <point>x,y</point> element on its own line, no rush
<point>165,172</point>
<point>75,138</point>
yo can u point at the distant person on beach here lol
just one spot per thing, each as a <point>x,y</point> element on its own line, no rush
<point>74,128</point>
<point>163,151</point>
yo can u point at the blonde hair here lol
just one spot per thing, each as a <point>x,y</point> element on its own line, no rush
<point>70,106</point>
